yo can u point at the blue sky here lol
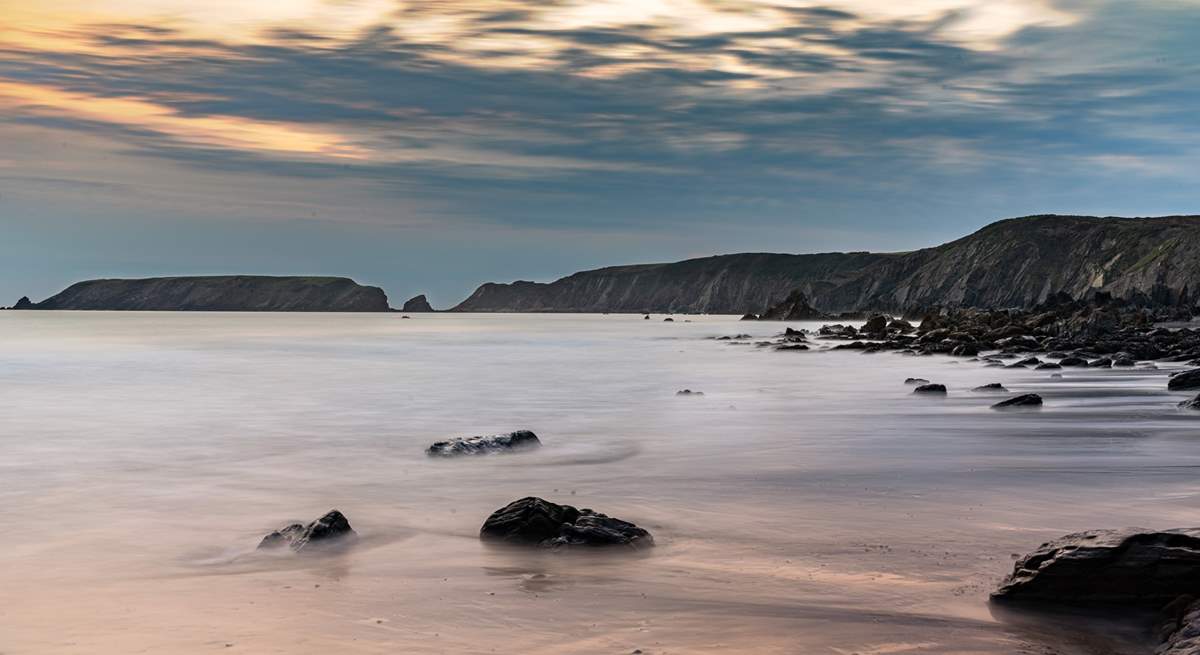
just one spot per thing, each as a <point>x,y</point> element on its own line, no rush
<point>431,146</point>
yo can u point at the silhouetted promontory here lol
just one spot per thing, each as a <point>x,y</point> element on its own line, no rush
<point>1015,263</point>
<point>230,293</point>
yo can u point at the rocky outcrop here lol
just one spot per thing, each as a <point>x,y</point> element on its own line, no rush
<point>327,530</point>
<point>485,445</point>
<point>230,293</point>
<point>1128,567</point>
<point>417,304</point>
<point>1013,263</point>
<point>536,522</point>
<point>23,303</point>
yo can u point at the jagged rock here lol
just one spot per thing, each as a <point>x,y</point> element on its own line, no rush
<point>1185,381</point>
<point>931,389</point>
<point>24,303</point>
<point>916,381</point>
<point>900,325</point>
<point>1194,403</point>
<point>1073,361</point>
<point>536,522</point>
<point>688,392</point>
<point>795,307</point>
<point>991,388</point>
<point>1179,630</point>
<point>1131,566</point>
<point>327,530</point>
<point>1024,400</point>
<point>1047,366</point>
<point>1103,362</point>
<point>417,304</point>
<point>483,445</point>
<point>965,350</point>
<point>875,325</point>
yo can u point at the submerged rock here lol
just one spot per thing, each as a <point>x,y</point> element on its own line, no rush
<point>933,388</point>
<point>327,530</point>
<point>1131,566</point>
<point>992,387</point>
<point>536,522</point>
<point>1024,400</point>
<point>1194,403</point>
<point>483,445</point>
<point>916,381</point>
<point>1185,381</point>
<point>688,392</point>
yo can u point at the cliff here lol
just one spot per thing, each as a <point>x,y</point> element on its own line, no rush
<point>230,293</point>
<point>1017,262</point>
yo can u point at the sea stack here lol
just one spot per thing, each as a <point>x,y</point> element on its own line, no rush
<point>417,304</point>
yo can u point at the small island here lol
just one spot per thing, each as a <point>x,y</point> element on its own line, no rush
<point>218,293</point>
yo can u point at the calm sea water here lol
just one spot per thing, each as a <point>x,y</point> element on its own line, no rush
<point>807,503</point>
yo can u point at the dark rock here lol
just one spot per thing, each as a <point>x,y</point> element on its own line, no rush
<point>1024,400</point>
<point>992,388</point>
<point>1194,403</point>
<point>417,304</point>
<point>327,530</point>
<point>875,325</point>
<point>1185,381</point>
<point>1123,362</point>
<point>900,325</point>
<point>1047,366</point>
<point>232,293</point>
<point>24,303</point>
<point>689,392</point>
<point>483,445</point>
<point>791,346</point>
<point>931,389</point>
<point>1073,361</point>
<point>668,320</point>
<point>745,317</point>
<point>965,350</point>
<point>916,381</point>
<point>537,522</point>
<point>1103,362</point>
<point>1130,567</point>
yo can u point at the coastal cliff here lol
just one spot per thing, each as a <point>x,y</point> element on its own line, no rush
<point>230,293</point>
<point>1017,262</point>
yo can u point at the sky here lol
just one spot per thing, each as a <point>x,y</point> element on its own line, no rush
<point>427,147</point>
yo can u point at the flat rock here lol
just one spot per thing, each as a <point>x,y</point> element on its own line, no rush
<point>485,444</point>
<point>932,388</point>
<point>327,530</point>
<point>916,381</point>
<point>536,522</point>
<point>1024,400</point>
<point>1131,566</point>
<point>994,387</point>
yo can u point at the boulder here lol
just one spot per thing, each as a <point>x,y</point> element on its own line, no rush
<point>668,320</point>
<point>417,304</point>
<point>900,325</point>
<point>483,445</point>
<point>916,381</point>
<point>325,531</point>
<point>994,387</point>
<point>536,522</point>
<point>931,389</point>
<point>1024,400</point>
<point>1185,381</point>
<point>1047,366</point>
<point>965,350</point>
<point>1194,403</point>
<point>875,325</point>
<point>1131,566</point>
<point>1072,361</point>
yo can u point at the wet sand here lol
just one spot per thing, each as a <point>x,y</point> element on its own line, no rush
<point>807,503</point>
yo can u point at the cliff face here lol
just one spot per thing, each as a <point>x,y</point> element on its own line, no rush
<point>1013,263</point>
<point>231,293</point>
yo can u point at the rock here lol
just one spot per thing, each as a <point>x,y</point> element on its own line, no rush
<point>417,304</point>
<point>991,388</point>
<point>900,325</point>
<point>1103,362</point>
<point>325,531</point>
<point>1194,403</point>
<point>931,388</point>
<point>231,293</point>
<point>1047,366</point>
<point>646,317</point>
<point>1073,361</point>
<point>1124,361</point>
<point>1185,381</point>
<point>791,346</point>
<point>916,381</point>
<point>689,392</point>
<point>875,325</point>
<point>745,317</point>
<point>537,522</point>
<point>483,445</point>
<point>668,320</point>
<point>23,303</point>
<point>1131,566</point>
<point>1024,400</point>
<point>1179,631</point>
